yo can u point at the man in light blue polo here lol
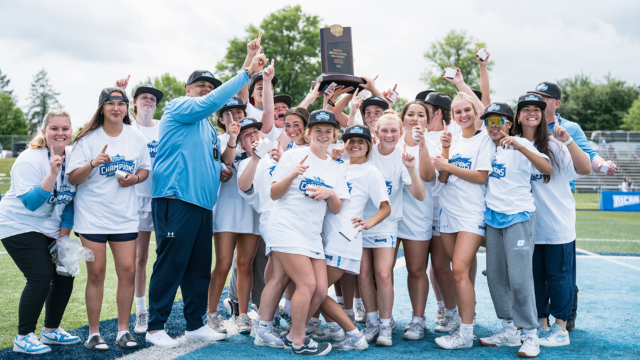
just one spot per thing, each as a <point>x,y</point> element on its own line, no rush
<point>186,177</point>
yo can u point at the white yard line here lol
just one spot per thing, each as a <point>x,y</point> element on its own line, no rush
<point>607,258</point>
<point>609,240</point>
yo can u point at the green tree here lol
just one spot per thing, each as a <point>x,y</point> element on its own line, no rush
<point>12,120</point>
<point>292,39</point>
<point>455,49</point>
<point>4,83</point>
<point>171,88</point>
<point>399,104</point>
<point>596,105</point>
<point>42,98</point>
<point>631,121</point>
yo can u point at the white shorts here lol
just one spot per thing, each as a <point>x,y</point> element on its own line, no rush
<point>349,265</point>
<point>379,241</point>
<point>144,214</point>
<point>296,251</point>
<point>435,228</point>
<point>450,225</point>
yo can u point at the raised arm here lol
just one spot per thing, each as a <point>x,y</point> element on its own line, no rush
<point>542,164</point>
<point>484,78</point>
<point>427,171</point>
<point>253,49</point>
<point>416,187</point>
<point>356,103</point>
<point>338,110</point>
<point>458,81</point>
<point>267,99</point>
<point>370,84</point>
<point>311,96</point>
<point>581,162</point>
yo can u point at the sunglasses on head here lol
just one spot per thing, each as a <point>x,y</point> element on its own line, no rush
<point>495,121</point>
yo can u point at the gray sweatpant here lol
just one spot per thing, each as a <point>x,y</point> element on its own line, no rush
<point>510,272</point>
<point>259,264</point>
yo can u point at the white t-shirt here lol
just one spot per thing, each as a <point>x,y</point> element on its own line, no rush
<point>436,186</point>
<point>555,205</point>
<point>509,184</point>
<point>259,197</point>
<point>293,145</point>
<point>396,176</point>
<point>298,220</point>
<point>254,112</point>
<point>102,206</point>
<point>365,184</point>
<point>152,136</point>
<point>274,134</point>
<point>459,198</point>
<point>417,216</point>
<point>30,168</point>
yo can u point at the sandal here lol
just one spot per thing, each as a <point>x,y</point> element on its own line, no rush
<point>92,344</point>
<point>125,340</point>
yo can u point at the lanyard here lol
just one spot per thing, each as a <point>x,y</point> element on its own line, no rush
<point>55,185</point>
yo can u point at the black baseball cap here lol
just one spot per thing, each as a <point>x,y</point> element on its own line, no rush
<point>105,95</point>
<point>248,123</point>
<point>233,103</point>
<point>374,100</point>
<point>357,131</point>
<point>531,99</point>
<point>439,99</point>
<point>283,99</point>
<point>148,89</point>
<point>203,75</point>
<point>499,108</point>
<point>547,89</point>
<point>257,77</point>
<point>322,117</point>
<point>478,93</point>
<point>423,94</point>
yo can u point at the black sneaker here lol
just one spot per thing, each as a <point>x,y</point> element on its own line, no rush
<point>312,348</point>
<point>287,343</point>
<point>484,272</point>
<point>231,307</point>
<point>571,322</point>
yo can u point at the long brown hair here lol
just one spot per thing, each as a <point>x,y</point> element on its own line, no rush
<point>405,109</point>
<point>540,138</point>
<point>97,120</point>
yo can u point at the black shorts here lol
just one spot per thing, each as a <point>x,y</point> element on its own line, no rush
<point>103,238</point>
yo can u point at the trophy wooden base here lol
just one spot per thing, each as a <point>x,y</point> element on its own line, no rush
<point>340,79</point>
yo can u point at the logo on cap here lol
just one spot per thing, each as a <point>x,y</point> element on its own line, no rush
<point>493,107</point>
<point>207,74</point>
<point>542,87</point>
<point>357,130</point>
<point>532,97</point>
<point>375,98</point>
<point>322,116</point>
<point>232,102</point>
<point>246,122</point>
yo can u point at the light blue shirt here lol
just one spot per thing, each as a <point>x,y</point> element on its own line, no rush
<point>500,221</point>
<point>185,166</point>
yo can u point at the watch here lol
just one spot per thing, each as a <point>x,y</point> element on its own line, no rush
<point>246,70</point>
<point>568,141</point>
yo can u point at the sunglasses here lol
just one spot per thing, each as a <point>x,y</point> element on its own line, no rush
<point>495,121</point>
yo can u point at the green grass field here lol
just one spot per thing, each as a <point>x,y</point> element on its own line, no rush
<point>5,168</point>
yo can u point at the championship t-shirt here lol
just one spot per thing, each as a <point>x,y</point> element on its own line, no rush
<point>259,196</point>
<point>436,186</point>
<point>102,206</point>
<point>254,113</point>
<point>152,136</point>
<point>297,220</point>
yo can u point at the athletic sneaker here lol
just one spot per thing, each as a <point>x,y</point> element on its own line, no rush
<point>415,331</point>
<point>313,327</point>
<point>530,347</point>
<point>141,323</point>
<point>30,344</point>
<point>454,341</point>
<point>254,328</point>
<point>204,333</point>
<point>440,316</point>
<point>232,307</point>
<point>360,313</point>
<point>450,323</point>
<point>353,319</point>
<point>424,322</point>
<point>287,343</point>
<point>268,338</point>
<point>243,323</point>
<point>333,333</point>
<point>393,323</point>
<point>311,348</point>
<point>371,332</point>
<point>161,339</point>
<point>214,321</point>
<point>554,337</point>
<point>58,337</point>
<point>352,342</point>
<point>502,338</point>
<point>384,339</point>
<point>287,318</point>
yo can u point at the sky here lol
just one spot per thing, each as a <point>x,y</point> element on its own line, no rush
<point>86,45</point>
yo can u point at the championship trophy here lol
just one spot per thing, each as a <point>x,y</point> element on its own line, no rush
<point>337,58</point>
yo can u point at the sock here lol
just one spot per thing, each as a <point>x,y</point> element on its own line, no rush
<point>21,337</point>
<point>214,314</point>
<point>531,332</point>
<point>120,333</point>
<point>467,331</point>
<point>333,326</point>
<point>287,307</point>
<point>385,322</point>
<point>451,312</point>
<point>141,304</point>
<point>508,325</point>
<point>416,318</point>
<point>265,326</point>
<point>357,301</point>
<point>315,320</point>
<point>257,320</point>
<point>339,300</point>
<point>353,332</point>
<point>92,335</point>
<point>440,304</point>
<point>373,318</point>
<point>349,312</point>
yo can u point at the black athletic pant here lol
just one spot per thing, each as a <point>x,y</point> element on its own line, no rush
<point>44,286</point>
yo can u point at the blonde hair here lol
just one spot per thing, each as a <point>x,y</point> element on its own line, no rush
<point>389,115</point>
<point>307,132</point>
<point>39,142</point>
<point>464,97</point>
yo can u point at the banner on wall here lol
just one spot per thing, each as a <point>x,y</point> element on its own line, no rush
<point>620,201</point>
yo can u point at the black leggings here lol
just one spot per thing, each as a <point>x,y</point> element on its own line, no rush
<point>44,286</point>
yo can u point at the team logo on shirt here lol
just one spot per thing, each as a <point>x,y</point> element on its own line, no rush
<point>153,148</point>
<point>389,187</point>
<point>290,146</point>
<point>271,170</point>
<point>459,161</point>
<point>65,195</point>
<point>350,186</point>
<point>536,177</point>
<point>542,87</point>
<point>316,181</point>
<point>339,160</point>
<point>118,163</point>
<point>499,170</point>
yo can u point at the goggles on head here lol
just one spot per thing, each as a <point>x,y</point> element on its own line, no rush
<point>495,121</point>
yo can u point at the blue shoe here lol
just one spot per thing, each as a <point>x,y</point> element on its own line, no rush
<point>30,345</point>
<point>58,337</point>
<point>555,337</point>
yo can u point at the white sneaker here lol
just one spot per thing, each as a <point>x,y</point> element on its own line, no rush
<point>393,324</point>
<point>450,323</point>
<point>384,339</point>
<point>439,316</point>
<point>243,323</point>
<point>254,328</point>
<point>502,338</point>
<point>371,332</point>
<point>334,334</point>
<point>205,333</point>
<point>58,337</point>
<point>353,318</point>
<point>161,339</point>
<point>268,338</point>
<point>141,323</point>
<point>352,342</point>
<point>360,313</point>
<point>214,321</point>
<point>313,327</point>
<point>530,347</point>
<point>454,341</point>
<point>555,337</point>
<point>415,331</point>
<point>30,344</point>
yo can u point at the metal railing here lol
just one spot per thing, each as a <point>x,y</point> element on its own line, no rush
<point>589,197</point>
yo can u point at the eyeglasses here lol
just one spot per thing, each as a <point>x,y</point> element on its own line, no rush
<point>495,121</point>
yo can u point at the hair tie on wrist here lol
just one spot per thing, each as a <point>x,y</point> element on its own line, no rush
<point>447,146</point>
<point>90,163</point>
<point>232,147</point>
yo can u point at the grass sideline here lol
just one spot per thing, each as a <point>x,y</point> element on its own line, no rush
<point>5,168</point>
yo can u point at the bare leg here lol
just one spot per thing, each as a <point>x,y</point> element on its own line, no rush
<point>417,254</point>
<point>245,252</point>
<point>368,291</point>
<point>348,284</point>
<point>331,307</point>
<point>441,266</point>
<point>383,267</point>
<point>225,243</point>
<point>462,247</point>
<point>273,290</point>
<point>94,291</point>
<point>124,257</point>
<point>142,256</point>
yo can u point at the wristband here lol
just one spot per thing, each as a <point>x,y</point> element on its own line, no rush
<point>232,147</point>
<point>90,163</point>
<point>331,103</point>
<point>137,182</point>
<point>566,143</point>
<point>446,147</point>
